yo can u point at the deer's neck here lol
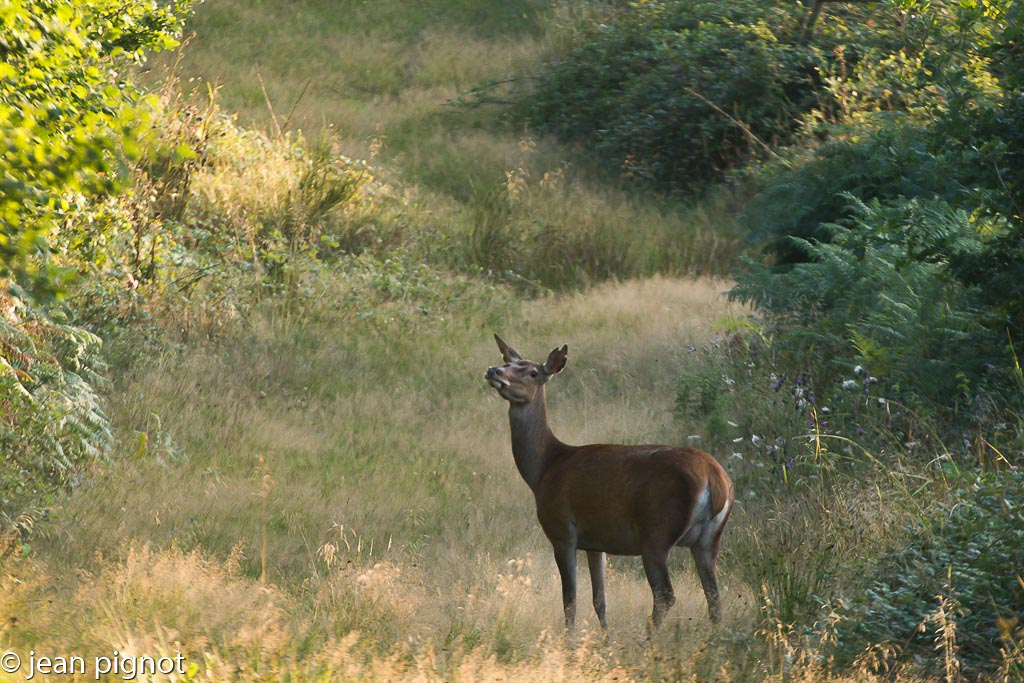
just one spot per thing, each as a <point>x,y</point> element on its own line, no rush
<point>533,444</point>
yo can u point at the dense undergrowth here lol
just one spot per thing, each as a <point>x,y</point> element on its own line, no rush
<point>237,392</point>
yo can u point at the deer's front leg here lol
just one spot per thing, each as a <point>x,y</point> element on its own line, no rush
<point>565,558</point>
<point>596,562</point>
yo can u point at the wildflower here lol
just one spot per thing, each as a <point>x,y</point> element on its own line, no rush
<point>738,439</point>
<point>858,370</point>
<point>849,383</point>
<point>728,382</point>
<point>731,423</point>
<point>694,437</point>
<point>755,439</point>
<point>736,456</point>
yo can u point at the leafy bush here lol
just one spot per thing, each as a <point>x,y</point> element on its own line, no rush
<point>67,116</point>
<point>882,158</point>
<point>925,282</point>
<point>674,93</point>
<point>970,549</point>
<point>889,156</point>
<point>925,107</point>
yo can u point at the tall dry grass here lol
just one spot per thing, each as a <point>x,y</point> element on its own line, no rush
<point>368,471</point>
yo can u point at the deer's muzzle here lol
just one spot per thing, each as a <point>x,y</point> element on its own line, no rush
<point>493,376</point>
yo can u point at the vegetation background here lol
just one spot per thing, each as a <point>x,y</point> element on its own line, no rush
<point>253,254</point>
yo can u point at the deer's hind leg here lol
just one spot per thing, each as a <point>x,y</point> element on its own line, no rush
<point>705,556</point>
<point>656,568</point>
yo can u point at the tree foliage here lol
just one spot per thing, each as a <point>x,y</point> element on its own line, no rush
<point>69,117</point>
<point>674,93</point>
<point>900,236</point>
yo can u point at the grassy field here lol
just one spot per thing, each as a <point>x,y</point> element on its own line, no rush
<point>380,80</point>
<point>326,490</point>
<point>318,484</point>
<point>303,485</point>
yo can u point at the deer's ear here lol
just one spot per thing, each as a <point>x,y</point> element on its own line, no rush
<point>556,360</point>
<point>507,352</point>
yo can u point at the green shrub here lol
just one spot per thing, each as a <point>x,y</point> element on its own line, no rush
<point>922,108</point>
<point>931,137</point>
<point>68,117</point>
<point>970,550</point>
<point>882,158</point>
<point>675,93</point>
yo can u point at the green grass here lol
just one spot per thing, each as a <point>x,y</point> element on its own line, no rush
<point>380,79</point>
<point>370,70</point>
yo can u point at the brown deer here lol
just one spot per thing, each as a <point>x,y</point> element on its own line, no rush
<point>604,498</point>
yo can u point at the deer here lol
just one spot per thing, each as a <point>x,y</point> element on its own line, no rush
<point>609,499</point>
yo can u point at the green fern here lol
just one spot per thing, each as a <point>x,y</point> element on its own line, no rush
<point>880,292</point>
<point>52,424</point>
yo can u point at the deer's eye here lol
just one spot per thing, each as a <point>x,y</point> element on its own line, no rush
<point>533,373</point>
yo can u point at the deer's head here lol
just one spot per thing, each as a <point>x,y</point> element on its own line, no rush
<point>520,380</point>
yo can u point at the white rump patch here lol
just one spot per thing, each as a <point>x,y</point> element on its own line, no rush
<point>699,520</point>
